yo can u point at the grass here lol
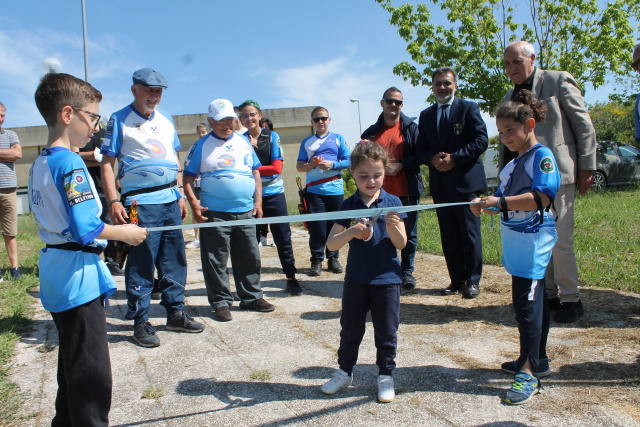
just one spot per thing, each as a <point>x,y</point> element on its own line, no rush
<point>606,238</point>
<point>262,375</point>
<point>152,393</point>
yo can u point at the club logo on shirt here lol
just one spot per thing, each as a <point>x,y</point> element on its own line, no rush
<point>77,187</point>
<point>547,165</point>
<point>226,162</point>
<point>155,149</point>
<point>154,129</point>
<point>229,147</point>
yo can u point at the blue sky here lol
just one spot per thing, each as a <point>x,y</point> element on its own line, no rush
<point>281,53</point>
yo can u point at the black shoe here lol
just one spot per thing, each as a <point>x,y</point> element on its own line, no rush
<point>293,287</point>
<point>470,290</point>
<point>554,304</point>
<point>258,305</point>
<point>316,268</point>
<point>16,273</point>
<point>182,322</point>
<point>452,289</point>
<point>335,266</point>
<point>222,314</point>
<point>569,312</point>
<point>115,269</point>
<point>144,334</point>
<point>408,281</point>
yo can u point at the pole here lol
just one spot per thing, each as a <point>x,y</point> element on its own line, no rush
<point>84,37</point>
<point>359,121</point>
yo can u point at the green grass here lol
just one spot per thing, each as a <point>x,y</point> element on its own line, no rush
<point>16,310</point>
<point>606,238</point>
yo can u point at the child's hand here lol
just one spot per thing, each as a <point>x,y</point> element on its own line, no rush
<point>133,234</point>
<point>392,219</point>
<point>360,230</point>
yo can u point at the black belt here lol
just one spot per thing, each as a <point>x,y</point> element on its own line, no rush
<point>149,189</point>
<point>72,246</point>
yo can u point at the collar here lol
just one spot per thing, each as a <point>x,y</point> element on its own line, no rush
<point>358,200</point>
<point>142,115</point>
<point>450,103</point>
<point>527,84</point>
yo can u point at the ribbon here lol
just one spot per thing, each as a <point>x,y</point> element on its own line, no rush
<point>323,216</point>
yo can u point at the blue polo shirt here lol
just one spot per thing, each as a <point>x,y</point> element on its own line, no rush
<point>375,262</point>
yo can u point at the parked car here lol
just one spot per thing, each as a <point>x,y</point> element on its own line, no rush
<point>616,164</point>
<point>491,167</point>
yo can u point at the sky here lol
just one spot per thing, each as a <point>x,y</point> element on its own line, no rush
<point>280,53</point>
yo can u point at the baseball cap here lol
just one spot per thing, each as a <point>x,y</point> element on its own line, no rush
<point>221,109</point>
<point>150,78</point>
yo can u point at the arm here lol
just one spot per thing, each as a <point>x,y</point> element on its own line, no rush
<point>339,236</point>
<point>275,168</point>
<point>128,233</point>
<point>196,208</point>
<point>257,195</point>
<point>425,155</point>
<point>521,202</point>
<point>475,133</point>
<point>412,160</point>
<point>11,154</point>
<point>116,209</point>
<point>396,230</point>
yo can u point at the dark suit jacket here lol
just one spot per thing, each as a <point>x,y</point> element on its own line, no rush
<point>466,140</point>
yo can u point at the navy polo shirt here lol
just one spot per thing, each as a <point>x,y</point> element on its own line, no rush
<point>375,262</point>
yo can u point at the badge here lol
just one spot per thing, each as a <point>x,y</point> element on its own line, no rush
<point>457,128</point>
<point>547,165</point>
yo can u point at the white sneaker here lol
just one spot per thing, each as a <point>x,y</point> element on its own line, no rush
<point>195,244</point>
<point>338,381</point>
<point>263,241</point>
<point>386,391</point>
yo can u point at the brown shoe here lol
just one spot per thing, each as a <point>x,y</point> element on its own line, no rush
<point>258,305</point>
<point>222,314</point>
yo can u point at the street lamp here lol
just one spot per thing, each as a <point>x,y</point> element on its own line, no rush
<point>359,121</point>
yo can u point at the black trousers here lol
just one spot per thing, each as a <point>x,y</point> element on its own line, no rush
<point>84,367</point>
<point>533,317</point>
<point>384,303</point>
<point>276,205</point>
<point>319,230</point>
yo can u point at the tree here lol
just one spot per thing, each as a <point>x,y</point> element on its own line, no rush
<point>570,35</point>
<point>613,120</point>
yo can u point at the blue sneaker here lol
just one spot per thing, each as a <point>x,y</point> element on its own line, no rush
<point>524,387</point>
<point>511,367</point>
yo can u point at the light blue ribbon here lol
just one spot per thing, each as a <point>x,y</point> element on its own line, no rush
<point>323,216</point>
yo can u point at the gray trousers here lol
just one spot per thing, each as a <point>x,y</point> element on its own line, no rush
<point>216,244</point>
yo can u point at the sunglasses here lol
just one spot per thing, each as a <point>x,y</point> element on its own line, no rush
<point>317,119</point>
<point>390,101</point>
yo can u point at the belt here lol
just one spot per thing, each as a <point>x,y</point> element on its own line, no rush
<point>75,247</point>
<point>149,189</point>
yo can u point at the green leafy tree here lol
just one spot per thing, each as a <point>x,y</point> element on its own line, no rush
<point>572,35</point>
<point>613,120</point>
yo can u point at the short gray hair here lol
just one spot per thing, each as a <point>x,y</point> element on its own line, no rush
<point>523,47</point>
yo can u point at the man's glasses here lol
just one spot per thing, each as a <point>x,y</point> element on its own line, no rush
<point>246,116</point>
<point>390,101</point>
<point>97,116</point>
<point>317,119</point>
<point>635,64</point>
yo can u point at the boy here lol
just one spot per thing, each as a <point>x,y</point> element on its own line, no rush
<point>73,278</point>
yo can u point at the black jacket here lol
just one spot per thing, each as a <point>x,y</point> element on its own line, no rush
<point>410,161</point>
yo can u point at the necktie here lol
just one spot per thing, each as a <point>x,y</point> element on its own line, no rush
<point>442,125</point>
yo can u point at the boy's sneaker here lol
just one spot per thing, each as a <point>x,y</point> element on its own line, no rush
<point>316,268</point>
<point>340,380</point>
<point>293,287</point>
<point>258,305</point>
<point>144,334</point>
<point>569,312</point>
<point>524,387</point>
<point>182,322</point>
<point>16,273</point>
<point>194,244</point>
<point>543,366</point>
<point>335,266</point>
<point>386,391</point>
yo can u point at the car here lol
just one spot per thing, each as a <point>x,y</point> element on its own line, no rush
<point>491,167</point>
<point>616,164</point>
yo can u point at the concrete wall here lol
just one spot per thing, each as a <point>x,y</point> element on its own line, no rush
<point>292,124</point>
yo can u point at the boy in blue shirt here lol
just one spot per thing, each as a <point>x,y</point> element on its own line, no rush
<point>73,278</point>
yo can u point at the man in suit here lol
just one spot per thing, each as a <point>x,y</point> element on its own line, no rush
<point>570,135</point>
<point>452,136</point>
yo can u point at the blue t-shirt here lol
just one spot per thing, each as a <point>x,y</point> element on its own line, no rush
<point>374,262</point>
<point>67,208</point>
<point>146,149</point>
<point>276,186</point>
<point>527,244</point>
<point>332,147</point>
<point>226,172</point>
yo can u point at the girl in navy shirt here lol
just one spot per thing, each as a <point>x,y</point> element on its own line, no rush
<point>373,274</point>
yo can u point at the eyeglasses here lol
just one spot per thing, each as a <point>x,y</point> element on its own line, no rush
<point>635,64</point>
<point>390,101</point>
<point>97,116</point>
<point>317,119</point>
<point>246,116</point>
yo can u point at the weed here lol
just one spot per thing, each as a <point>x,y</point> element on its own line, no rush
<point>262,375</point>
<point>152,393</point>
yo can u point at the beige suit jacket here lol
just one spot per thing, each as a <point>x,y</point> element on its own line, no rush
<point>567,129</point>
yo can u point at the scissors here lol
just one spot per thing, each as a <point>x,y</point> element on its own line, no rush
<point>370,223</point>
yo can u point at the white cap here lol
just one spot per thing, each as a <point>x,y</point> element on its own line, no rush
<point>221,109</point>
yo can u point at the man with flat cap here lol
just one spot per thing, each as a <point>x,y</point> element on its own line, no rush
<point>145,142</point>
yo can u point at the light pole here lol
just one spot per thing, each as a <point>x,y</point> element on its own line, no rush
<point>359,121</point>
<point>84,38</point>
